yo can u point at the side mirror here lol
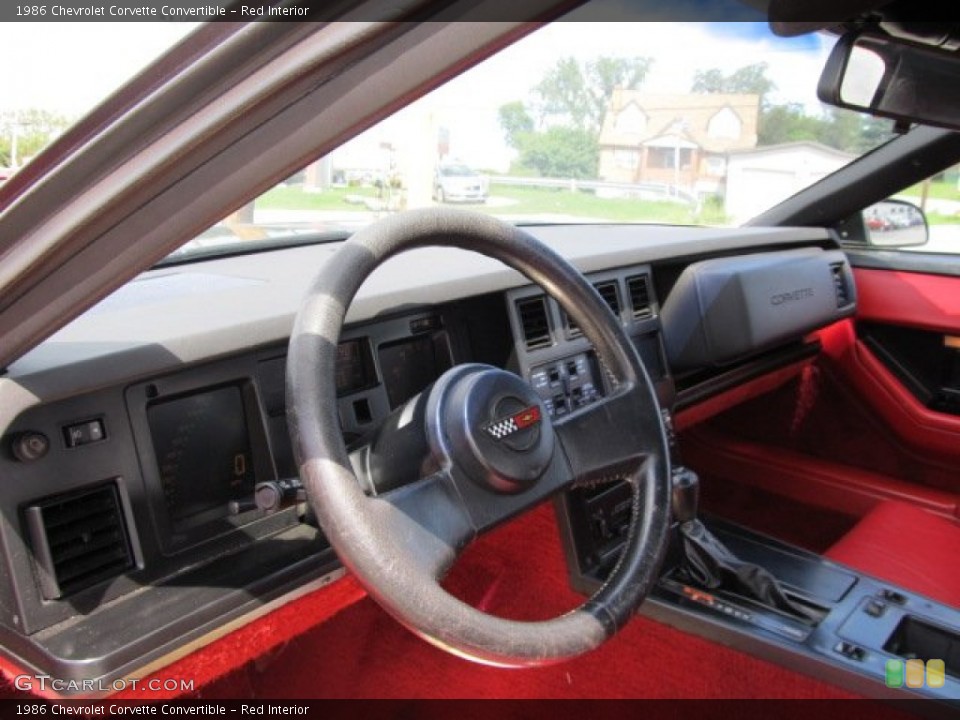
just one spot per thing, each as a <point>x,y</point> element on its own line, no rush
<point>890,79</point>
<point>895,223</point>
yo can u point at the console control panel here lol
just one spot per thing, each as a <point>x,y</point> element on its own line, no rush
<point>565,384</point>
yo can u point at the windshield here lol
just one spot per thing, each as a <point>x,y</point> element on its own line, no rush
<point>692,123</point>
<point>681,123</point>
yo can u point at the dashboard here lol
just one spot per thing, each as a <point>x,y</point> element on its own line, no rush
<point>136,438</point>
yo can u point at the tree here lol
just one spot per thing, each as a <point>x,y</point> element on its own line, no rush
<point>34,129</point>
<point>708,81</point>
<point>562,152</point>
<point>515,122</point>
<point>605,74</point>
<point>577,95</point>
<point>749,80</point>
<point>787,123</point>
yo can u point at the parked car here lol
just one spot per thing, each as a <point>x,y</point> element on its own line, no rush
<point>568,457</point>
<point>459,183</point>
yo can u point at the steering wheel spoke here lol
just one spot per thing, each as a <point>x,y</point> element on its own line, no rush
<point>604,440</point>
<point>429,522</point>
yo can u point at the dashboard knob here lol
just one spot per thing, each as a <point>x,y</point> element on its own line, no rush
<point>29,446</point>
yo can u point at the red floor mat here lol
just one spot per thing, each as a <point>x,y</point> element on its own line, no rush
<point>516,572</point>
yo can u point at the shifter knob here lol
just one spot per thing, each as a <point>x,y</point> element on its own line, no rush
<point>685,497</point>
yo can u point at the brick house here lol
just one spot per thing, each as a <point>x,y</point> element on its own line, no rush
<point>678,140</point>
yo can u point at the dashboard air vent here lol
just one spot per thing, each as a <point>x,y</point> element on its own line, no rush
<point>611,296</point>
<point>79,539</point>
<point>639,291</point>
<point>533,322</point>
<point>840,284</point>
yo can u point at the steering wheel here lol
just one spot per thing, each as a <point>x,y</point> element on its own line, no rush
<point>490,451</point>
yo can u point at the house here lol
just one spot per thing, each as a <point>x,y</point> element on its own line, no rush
<point>677,140</point>
<point>761,177</point>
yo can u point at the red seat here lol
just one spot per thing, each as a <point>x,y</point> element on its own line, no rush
<point>907,546</point>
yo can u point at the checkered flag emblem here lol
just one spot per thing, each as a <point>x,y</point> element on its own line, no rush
<point>507,426</point>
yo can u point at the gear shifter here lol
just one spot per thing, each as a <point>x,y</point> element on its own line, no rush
<point>711,565</point>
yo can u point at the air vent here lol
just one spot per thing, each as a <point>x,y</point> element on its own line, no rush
<point>611,296</point>
<point>840,285</point>
<point>638,289</point>
<point>79,539</point>
<point>533,322</point>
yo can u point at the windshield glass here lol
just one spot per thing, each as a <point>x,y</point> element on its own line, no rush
<point>693,123</point>
<point>689,123</point>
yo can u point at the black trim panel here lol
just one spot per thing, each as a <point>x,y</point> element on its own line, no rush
<point>930,263</point>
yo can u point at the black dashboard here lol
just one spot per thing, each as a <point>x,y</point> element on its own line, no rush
<point>135,438</point>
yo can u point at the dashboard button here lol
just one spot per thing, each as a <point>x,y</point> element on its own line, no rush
<point>85,433</point>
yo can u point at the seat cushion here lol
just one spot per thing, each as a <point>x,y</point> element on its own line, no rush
<point>907,546</point>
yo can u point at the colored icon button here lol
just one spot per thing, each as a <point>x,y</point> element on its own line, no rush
<point>936,673</point>
<point>894,673</point>
<point>915,673</point>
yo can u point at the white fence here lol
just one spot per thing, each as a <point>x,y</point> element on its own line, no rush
<point>655,191</point>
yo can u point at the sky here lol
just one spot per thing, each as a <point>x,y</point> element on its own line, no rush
<point>468,104</point>
<point>70,67</point>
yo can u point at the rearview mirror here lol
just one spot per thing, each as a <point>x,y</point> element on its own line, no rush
<point>895,223</point>
<point>889,79</point>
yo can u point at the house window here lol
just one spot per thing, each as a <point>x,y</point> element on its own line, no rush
<point>666,158</point>
<point>626,158</point>
<point>725,125</point>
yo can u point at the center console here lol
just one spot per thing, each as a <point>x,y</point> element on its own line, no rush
<point>862,633</point>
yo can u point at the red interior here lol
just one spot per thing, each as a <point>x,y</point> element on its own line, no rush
<point>816,439</point>
<point>901,543</point>
<point>519,572</point>
<point>800,454</point>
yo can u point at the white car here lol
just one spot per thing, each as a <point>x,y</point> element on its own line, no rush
<point>459,183</point>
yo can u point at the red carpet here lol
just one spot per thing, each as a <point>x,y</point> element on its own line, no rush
<point>516,572</point>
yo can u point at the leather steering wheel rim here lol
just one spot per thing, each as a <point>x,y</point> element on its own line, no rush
<point>399,545</point>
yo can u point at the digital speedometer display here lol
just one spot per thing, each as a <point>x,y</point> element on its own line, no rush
<point>354,367</point>
<point>409,365</point>
<point>203,454</point>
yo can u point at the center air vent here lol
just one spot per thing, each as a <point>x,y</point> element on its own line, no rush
<point>639,291</point>
<point>79,539</point>
<point>840,284</point>
<point>611,296</point>
<point>534,323</point>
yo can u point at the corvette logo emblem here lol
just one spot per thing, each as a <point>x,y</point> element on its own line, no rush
<point>505,427</point>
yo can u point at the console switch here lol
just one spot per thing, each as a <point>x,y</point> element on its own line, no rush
<point>84,433</point>
<point>893,596</point>
<point>854,652</point>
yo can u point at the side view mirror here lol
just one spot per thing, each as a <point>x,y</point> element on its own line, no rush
<point>895,223</point>
<point>890,79</point>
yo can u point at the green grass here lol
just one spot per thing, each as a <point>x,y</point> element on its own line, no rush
<point>935,218</point>
<point>527,202</point>
<point>292,197</point>
<point>939,189</point>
